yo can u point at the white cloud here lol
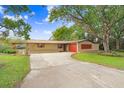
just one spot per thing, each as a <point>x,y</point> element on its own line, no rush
<point>47,18</point>
<point>9,17</point>
<point>26,17</point>
<point>70,24</point>
<point>49,8</point>
<point>67,24</point>
<point>85,34</point>
<point>1,10</point>
<point>32,13</point>
<point>39,23</point>
<point>11,34</point>
<point>16,18</point>
<point>13,17</point>
<point>47,32</point>
<point>20,17</point>
<point>2,29</point>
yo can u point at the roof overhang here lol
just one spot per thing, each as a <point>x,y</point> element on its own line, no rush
<point>46,42</point>
<point>50,41</point>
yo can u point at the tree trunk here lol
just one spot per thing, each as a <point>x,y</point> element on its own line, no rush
<point>117,44</point>
<point>106,42</point>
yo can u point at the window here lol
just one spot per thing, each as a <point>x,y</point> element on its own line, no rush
<point>40,45</point>
<point>59,45</point>
<point>20,46</point>
<point>86,46</point>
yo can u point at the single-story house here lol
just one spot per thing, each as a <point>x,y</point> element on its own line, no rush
<point>46,46</point>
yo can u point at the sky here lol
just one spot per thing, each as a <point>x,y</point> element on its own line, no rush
<point>41,27</point>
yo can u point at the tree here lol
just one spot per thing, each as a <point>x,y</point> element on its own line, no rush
<point>18,26</point>
<point>99,20</point>
<point>78,33</point>
<point>16,9</point>
<point>62,33</point>
<point>118,32</point>
<point>68,33</point>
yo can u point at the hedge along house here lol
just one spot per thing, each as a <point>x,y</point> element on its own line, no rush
<point>44,46</point>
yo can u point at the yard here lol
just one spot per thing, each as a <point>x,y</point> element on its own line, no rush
<point>110,61</point>
<point>13,69</point>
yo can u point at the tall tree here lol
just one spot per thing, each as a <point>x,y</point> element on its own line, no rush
<point>78,32</point>
<point>18,26</point>
<point>99,20</point>
<point>68,33</point>
<point>118,33</point>
<point>62,33</point>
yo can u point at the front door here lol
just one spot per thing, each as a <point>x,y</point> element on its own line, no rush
<point>73,47</point>
<point>64,47</point>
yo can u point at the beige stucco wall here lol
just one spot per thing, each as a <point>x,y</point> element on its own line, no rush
<point>32,48</point>
<point>21,51</point>
<point>53,47</point>
<point>95,47</point>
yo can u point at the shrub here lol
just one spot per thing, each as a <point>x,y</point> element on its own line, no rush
<point>6,49</point>
<point>9,51</point>
<point>114,54</point>
<point>119,50</point>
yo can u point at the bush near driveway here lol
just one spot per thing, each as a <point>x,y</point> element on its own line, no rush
<point>112,53</point>
<point>6,49</point>
<point>110,61</point>
<point>13,69</point>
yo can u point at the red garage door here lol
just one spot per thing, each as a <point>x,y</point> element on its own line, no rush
<point>73,47</point>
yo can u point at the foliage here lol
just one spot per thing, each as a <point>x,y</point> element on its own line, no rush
<point>118,32</point>
<point>14,69</point>
<point>113,54</point>
<point>62,33</point>
<point>68,33</point>
<point>6,49</point>
<point>78,33</point>
<point>16,9</point>
<point>5,41</point>
<point>98,20</point>
<point>9,51</point>
<point>19,28</point>
<point>17,25</point>
<point>119,50</point>
<point>110,61</point>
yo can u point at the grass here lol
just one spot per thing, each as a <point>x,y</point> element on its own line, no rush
<point>115,62</point>
<point>13,69</point>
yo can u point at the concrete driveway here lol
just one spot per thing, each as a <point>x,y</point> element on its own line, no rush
<point>59,70</point>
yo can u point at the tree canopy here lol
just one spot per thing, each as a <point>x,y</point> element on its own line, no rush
<point>68,33</point>
<point>62,33</point>
<point>17,25</point>
<point>97,20</point>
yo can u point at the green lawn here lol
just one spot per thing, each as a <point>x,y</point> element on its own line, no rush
<point>115,62</point>
<point>13,69</point>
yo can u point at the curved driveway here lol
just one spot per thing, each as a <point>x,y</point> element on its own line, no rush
<point>53,70</point>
